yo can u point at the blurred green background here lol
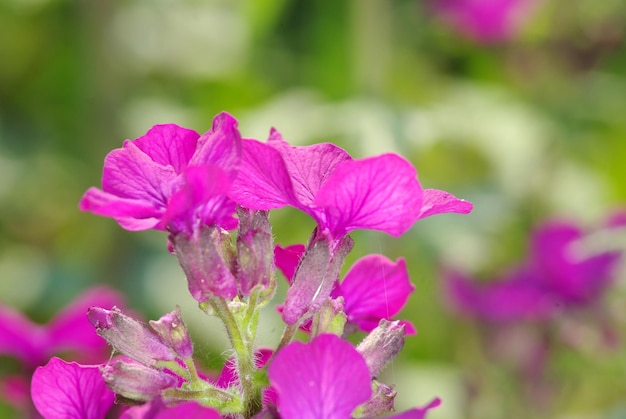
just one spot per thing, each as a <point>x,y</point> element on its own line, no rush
<point>527,128</point>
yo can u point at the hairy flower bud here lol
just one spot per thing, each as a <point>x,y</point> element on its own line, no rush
<point>173,331</point>
<point>331,318</point>
<point>382,345</point>
<point>207,258</point>
<point>135,381</point>
<point>129,337</point>
<point>255,250</point>
<point>381,402</point>
<point>316,275</point>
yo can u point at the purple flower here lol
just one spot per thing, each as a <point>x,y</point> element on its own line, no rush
<point>170,178</point>
<point>341,194</point>
<point>555,275</point>
<point>69,331</point>
<point>326,378</point>
<point>69,390</point>
<point>486,21</point>
<point>374,288</point>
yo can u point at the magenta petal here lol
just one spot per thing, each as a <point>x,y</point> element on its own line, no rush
<point>156,409</point>
<point>375,288</point>
<point>70,330</point>
<point>169,145</point>
<point>379,193</point>
<point>220,146</point>
<point>263,182</point>
<point>288,258</point>
<point>21,338</point>
<point>130,173</point>
<point>131,214</point>
<point>514,298</point>
<point>203,196</point>
<point>308,166</point>
<point>326,378</point>
<point>70,391</point>
<point>417,412</point>
<point>439,202</point>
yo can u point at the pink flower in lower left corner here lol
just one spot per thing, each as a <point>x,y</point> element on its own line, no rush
<point>67,390</point>
<point>69,331</point>
<point>32,344</point>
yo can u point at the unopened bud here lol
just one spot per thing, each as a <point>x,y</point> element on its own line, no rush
<point>315,276</point>
<point>129,337</point>
<point>207,258</point>
<point>331,318</point>
<point>172,330</point>
<point>382,345</point>
<point>135,381</point>
<point>381,402</point>
<point>255,250</point>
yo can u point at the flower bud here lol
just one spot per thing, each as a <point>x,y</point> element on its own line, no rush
<point>207,259</point>
<point>172,330</point>
<point>382,345</point>
<point>255,250</point>
<point>380,403</point>
<point>331,318</point>
<point>315,276</point>
<point>129,337</point>
<point>135,381</point>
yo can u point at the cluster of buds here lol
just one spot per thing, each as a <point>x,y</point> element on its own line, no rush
<point>213,195</point>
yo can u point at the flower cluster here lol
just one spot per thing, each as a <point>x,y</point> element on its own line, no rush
<point>213,193</point>
<point>560,273</point>
<point>551,299</point>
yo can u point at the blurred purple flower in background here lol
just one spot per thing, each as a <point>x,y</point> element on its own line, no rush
<point>558,274</point>
<point>485,21</point>
<point>68,333</point>
<point>554,297</point>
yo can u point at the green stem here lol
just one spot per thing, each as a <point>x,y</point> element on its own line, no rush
<point>288,333</point>
<point>243,346</point>
<point>252,307</point>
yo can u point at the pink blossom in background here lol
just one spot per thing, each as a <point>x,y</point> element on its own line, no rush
<point>340,193</point>
<point>170,178</point>
<point>374,288</point>
<point>485,21</point>
<point>68,332</point>
<point>556,275</point>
